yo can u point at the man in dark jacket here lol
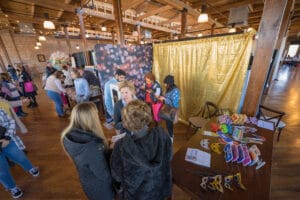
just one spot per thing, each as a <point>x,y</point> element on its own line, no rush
<point>141,162</point>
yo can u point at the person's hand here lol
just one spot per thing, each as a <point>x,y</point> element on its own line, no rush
<point>161,98</point>
<point>4,143</point>
<point>25,100</point>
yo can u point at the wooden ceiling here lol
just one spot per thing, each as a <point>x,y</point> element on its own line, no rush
<point>166,13</point>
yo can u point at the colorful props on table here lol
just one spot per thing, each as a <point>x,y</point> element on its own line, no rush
<point>247,159</point>
<point>238,181</point>
<point>238,118</point>
<point>241,154</point>
<point>215,183</point>
<point>224,119</point>
<point>228,182</point>
<point>229,128</point>
<point>238,133</point>
<point>228,153</point>
<point>209,133</point>
<point>254,154</point>
<point>226,138</point>
<point>215,147</point>
<point>235,152</point>
<point>224,128</point>
<point>204,182</point>
<point>205,143</point>
<point>260,163</point>
<point>214,127</point>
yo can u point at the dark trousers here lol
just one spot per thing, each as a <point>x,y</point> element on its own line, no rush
<point>169,125</point>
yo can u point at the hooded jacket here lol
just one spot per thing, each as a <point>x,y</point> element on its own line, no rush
<point>142,164</point>
<point>88,153</point>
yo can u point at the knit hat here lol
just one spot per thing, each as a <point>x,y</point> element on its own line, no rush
<point>169,80</point>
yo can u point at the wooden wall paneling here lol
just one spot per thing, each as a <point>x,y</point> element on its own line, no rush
<point>268,33</point>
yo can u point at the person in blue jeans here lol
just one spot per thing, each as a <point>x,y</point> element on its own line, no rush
<point>119,76</point>
<point>171,98</point>
<point>54,89</point>
<point>8,149</point>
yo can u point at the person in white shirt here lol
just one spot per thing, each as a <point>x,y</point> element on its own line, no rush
<point>54,89</point>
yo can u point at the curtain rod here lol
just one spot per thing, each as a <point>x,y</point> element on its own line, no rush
<point>193,38</point>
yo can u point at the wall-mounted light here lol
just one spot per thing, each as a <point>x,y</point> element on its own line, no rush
<point>203,17</point>
<point>47,23</point>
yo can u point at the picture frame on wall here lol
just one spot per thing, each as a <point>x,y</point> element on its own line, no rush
<point>41,58</point>
<point>116,95</point>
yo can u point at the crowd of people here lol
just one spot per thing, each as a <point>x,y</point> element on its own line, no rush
<point>134,164</point>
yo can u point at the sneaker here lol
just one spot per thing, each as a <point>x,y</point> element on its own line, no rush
<point>16,193</point>
<point>109,126</point>
<point>34,172</point>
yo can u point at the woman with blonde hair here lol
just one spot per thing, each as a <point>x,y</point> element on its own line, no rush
<point>141,161</point>
<point>127,91</point>
<point>85,143</point>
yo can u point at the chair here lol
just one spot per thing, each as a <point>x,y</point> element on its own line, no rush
<point>209,110</point>
<point>275,116</point>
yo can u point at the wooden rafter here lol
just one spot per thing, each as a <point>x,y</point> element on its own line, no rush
<point>131,4</point>
<point>154,12</point>
<point>191,11</point>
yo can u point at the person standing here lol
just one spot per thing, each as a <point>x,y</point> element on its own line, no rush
<point>54,89</point>
<point>119,76</point>
<point>85,143</point>
<point>8,149</point>
<point>171,98</point>
<point>26,79</point>
<point>82,88</point>
<point>141,161</point>
<point>152,88</point>
<point>127,91</point>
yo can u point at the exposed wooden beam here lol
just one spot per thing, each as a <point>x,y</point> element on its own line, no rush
<point>56,5</point>
<point>171,19</point>
<point>231,5</point>
<point>130,4</point>
<point>179,5</point>
<point>154,12</point>
<point>268,33</point>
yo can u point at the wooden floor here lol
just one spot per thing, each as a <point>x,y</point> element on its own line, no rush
<point>58,180</point>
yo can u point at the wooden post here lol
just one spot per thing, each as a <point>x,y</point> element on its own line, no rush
<point>5,51</point>
<point>269,28</point>
<point>281,40</point>
<point>138,28</point>
<point>212,29</point>
<point>67,38</point>
<point>2,65</point>
<point>183,23</point>
<point>15,46</point>
<point>82,33</point>
<point>113,36</point>
<point>119,21</point>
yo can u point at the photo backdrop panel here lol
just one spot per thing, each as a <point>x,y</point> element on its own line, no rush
<point>134,60</point>
<point>207,69</point>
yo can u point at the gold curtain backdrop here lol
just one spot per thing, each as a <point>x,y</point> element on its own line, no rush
<point>209,69</point>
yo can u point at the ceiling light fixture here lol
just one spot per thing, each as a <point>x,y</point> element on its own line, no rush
<point>200,34</point>
<point>42,38</point>
<point>47,23</point>
<point>36,47</point>
<point>77,46</point>
<point>103,28</point>
<point>232,29</point>
<point>203,17</point>
<point>38,44</point>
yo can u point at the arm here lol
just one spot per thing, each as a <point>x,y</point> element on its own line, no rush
<point>117,115</point>
<point>173,98</point>
<point>86,88</point>
<point>108,99</point>
<point>8,123</point>
<point>59,86</point>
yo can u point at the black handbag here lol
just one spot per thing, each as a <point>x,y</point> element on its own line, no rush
<point>168,112</point>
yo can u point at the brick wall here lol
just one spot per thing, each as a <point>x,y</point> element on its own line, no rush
<point>28,55</point>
